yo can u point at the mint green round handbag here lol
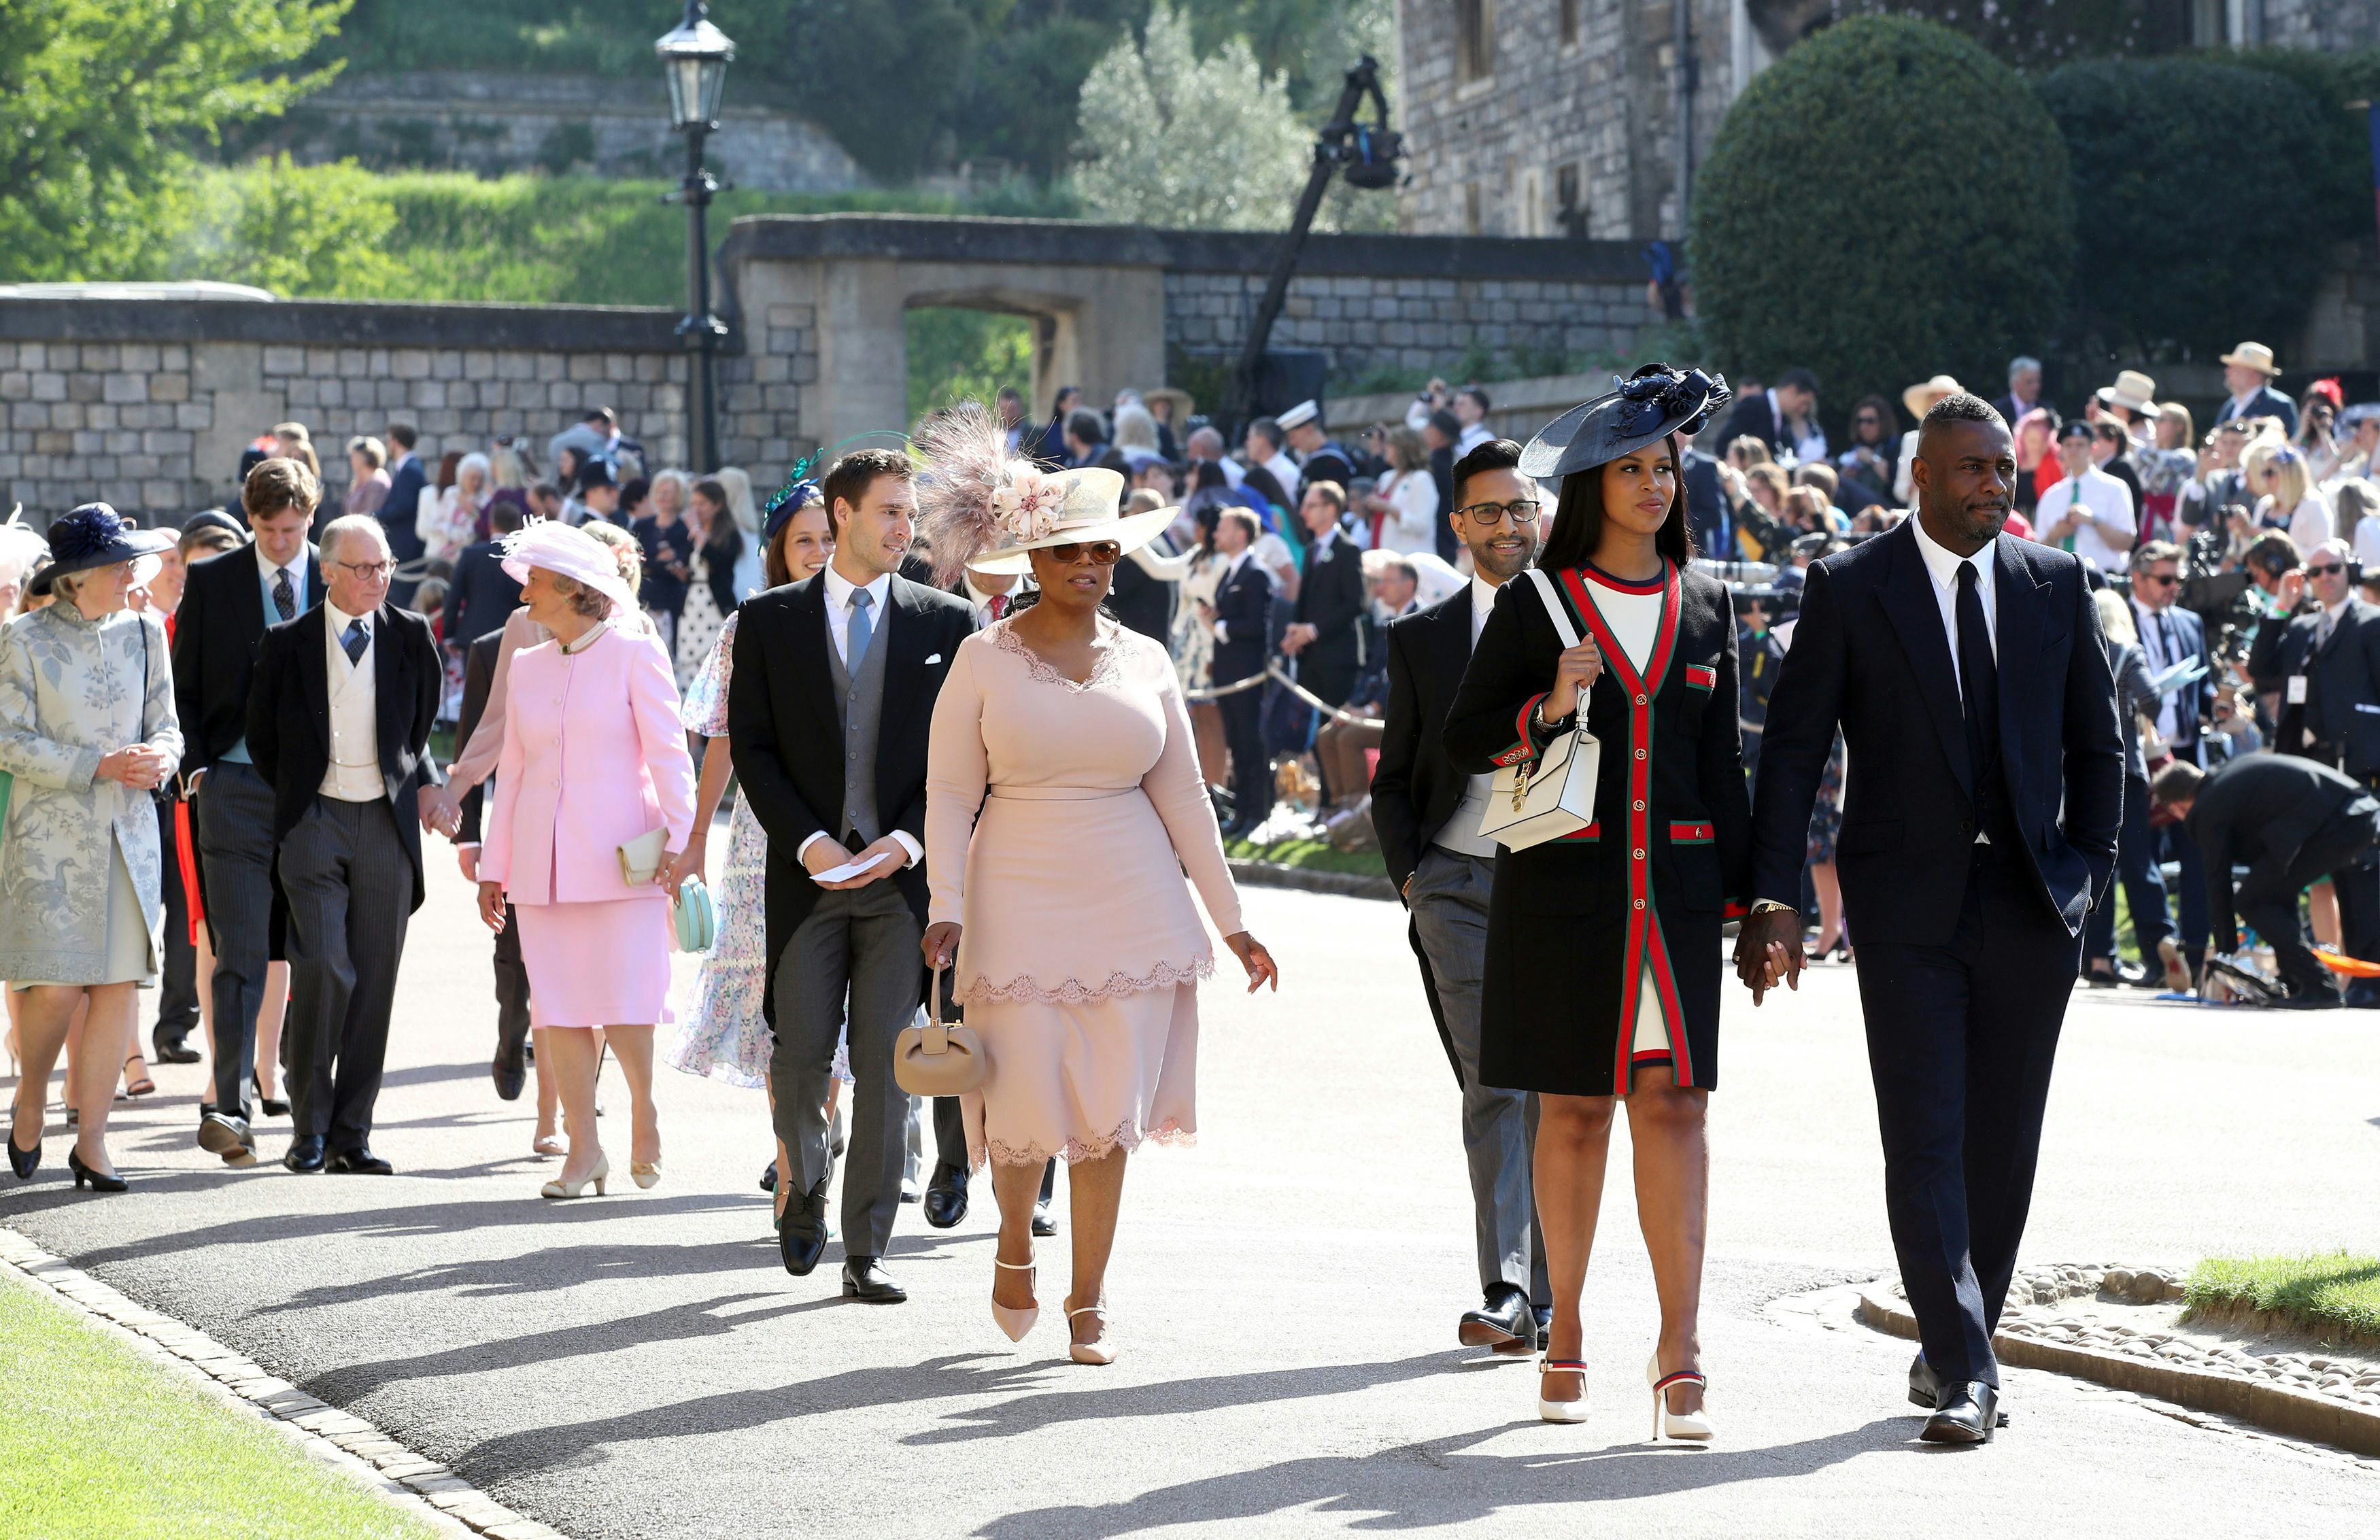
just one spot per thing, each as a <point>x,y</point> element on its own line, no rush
<point>696,916</point>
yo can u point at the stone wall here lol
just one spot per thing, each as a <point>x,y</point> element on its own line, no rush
<point>2332,24</point>
<point>491,123</point>
<point>147,404</point>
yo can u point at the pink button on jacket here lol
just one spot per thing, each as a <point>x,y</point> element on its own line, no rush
<point>594,757</point>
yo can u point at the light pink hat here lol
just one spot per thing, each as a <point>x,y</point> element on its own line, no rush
<point>571,553</point>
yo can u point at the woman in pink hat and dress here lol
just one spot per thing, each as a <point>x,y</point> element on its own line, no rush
<point>593,759</point>
<point>1059,732</point>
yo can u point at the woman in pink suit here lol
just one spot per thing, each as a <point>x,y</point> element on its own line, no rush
<point>593,759</point>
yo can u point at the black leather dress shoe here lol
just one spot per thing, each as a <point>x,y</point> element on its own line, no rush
<point>1043,1225</point>
<point>865,1280</point>
<point>173,1049</point>
<point>360,1161</point>
<point>510,1071</point>
<point>1964,1415</point>
<point>946,1197</point>
<point>1545,1315</point>
<point>305,1155</point>
<point>769,1177</point>
<point>228,1137</point>
<point>1505,1322</point>
<point>801,1239</point>
<point>1924,1389</point>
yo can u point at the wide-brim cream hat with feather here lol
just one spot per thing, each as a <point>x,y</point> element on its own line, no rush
<point>1087,508</point>
<point>979,510</point>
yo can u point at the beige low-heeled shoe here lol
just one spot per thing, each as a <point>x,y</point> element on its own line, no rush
<point>596,1177</point>
<point>644,1173</point>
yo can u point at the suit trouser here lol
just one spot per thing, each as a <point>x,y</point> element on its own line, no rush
<point>2193,926</point>
<point>233,824</point>
<point>177,999</point>
<point>1961,1041</point>
<point>1499,1127</point>
<point>2268,901</point>
<point>512,989</point>
<point>859,945</point>
<point>350,887</point>
<point>2144,879</point>
<point>1251,765</point>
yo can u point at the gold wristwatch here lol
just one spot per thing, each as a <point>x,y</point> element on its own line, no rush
<point>1763,905</point>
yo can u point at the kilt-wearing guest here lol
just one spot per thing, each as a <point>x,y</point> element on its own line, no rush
<point>1061,732</point>
<point>339,724</point>
<point>593,759</point>
<point>87,730</point>
<point>1602,968</point>
<point>827,707</point>
<point>227,602</point>
<point>1427,815</point>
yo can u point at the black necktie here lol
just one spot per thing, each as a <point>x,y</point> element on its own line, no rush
<point>284,598</point>
<point>1979,677</point>
<point>356,641</point>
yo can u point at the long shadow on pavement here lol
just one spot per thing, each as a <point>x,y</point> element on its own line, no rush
<point>1433,1484</point>
<point>1166,1398</point>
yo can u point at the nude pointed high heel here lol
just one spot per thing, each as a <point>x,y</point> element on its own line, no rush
<point>1561,1412</point>
<point>1101,1351</point>
<point>644,1173</point>
<point>1691,1427</point>
<point>1015,1323</point>
<point>596,1177</point>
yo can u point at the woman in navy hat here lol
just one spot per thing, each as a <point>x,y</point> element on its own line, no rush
<point>1602,977</point>
<point>87,730</point>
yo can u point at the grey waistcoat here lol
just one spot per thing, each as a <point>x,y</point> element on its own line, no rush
<point>860,702</point>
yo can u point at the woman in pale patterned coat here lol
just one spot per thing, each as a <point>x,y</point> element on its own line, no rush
<point>87,730</point>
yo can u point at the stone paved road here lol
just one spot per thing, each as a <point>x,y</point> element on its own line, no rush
<point>639,1365</point>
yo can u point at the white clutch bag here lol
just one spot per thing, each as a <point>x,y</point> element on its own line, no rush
<point>641,858</point>
<point>1553,794</point>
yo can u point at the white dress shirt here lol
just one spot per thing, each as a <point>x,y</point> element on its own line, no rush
<point>270,575</point>
<point>1942,567</point>
<point>1460,833</point>
<point>2161,641</point>
<point>980,602</point>
<point>839,590</point>
<point>354,772</point>
<point>2105,500</point>
<point>1472,437</point>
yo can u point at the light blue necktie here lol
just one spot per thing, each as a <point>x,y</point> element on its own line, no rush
<point>862,631</point>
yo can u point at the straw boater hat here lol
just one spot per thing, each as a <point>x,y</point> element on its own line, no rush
<point>2134,391</point>
<point>1648,407</point>
<point>980,510</point>
<point>1922,399</point>
<point>95,536</point>
<point>571,553</point>
<point>2255,356</point>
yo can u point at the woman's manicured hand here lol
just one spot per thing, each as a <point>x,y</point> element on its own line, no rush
<point>1253,957</point>
<point>942,943</point>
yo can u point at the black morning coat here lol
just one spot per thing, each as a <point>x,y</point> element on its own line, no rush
<point>289,716</point>
<point>785,733</point>
<point>217,630</point>
<point>1574,924</point>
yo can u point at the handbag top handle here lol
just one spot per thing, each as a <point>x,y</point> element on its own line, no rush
<point>936,1037</point>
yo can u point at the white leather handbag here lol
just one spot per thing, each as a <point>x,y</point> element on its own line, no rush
<point>1553,794</point>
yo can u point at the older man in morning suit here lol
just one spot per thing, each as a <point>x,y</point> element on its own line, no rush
<point>828,713</point>
<point>226,604</point>
<point>1428,817</point>
<point>1970,663</point>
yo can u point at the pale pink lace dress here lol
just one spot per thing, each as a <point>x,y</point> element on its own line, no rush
<point>1082,951</point>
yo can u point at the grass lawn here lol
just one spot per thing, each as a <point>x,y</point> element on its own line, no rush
<point>2335,1294</point>
<point>1309,855</point>
<point>100,1440</point>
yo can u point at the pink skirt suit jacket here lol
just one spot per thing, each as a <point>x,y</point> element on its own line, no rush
<point>592,757</point>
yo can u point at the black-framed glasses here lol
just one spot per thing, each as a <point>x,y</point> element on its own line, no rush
<point>369,569</point>
<point>2327,569</point>
<point>1099,553</point>
<point>1523,510</point>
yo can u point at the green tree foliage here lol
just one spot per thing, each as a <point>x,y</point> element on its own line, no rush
<point>957,355</point>
<point>1885,202</point>
<point>2223,229</point>
<point>102,103</point>
<point>2032,34</point>
<point>295,230</point>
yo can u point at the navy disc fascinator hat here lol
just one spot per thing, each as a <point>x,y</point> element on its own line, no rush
<point>1652,404</point>
<point>95,536</point>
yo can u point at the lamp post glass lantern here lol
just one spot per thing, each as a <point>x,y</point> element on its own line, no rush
<point>694,56</point>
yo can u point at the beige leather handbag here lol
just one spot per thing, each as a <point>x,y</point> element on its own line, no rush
<point>935,1060</point>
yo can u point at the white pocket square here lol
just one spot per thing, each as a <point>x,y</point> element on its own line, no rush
<point>932,661</point>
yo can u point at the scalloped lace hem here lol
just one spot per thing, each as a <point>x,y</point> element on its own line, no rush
<point>1128,1136</point>
<point>1025,990</point>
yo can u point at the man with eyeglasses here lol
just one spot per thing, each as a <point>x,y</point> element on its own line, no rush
<point>2171,634</point>
<point>1428,817</point>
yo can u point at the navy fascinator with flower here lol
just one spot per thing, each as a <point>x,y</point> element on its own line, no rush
<point>95,536</point>
<point>1649,405</point>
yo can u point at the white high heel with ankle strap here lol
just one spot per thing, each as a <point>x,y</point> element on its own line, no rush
<point>1692,1427</point>
<point>1561,1412</point>
<point>1015,1322</point>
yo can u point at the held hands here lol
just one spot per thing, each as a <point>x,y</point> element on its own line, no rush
<point>492,906</point>
<point>440,813</point>
<point>1253,957</point>
<point>1574,674</point>
<point>942,943</point>
<point>1769,951</point>
<point>137,766</point>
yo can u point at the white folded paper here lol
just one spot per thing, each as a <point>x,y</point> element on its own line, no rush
<point>850,870</point>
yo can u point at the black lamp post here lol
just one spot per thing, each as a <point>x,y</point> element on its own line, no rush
<point>694,57</point>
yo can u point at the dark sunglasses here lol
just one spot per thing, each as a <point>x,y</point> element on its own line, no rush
<point>1099,553</point>
<point>2327,570</point>
<point>2166,578</point>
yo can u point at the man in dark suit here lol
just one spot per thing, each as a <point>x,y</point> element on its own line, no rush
<point>339,723</point>
<point>1707,504</point>
<point>2024,391</point>
<point>2171,634</point>
<point>1428,817</point>
<point>1439,435</point>
<point>1324,636</point>
<point>510,1067</point>
<point>400,509</point>
<point>1242,615</point>
<point>828,713</point>
<point>1971,663</point>
<point>2329,667</point>
<point>2291,822</point>
<point>1769,414</point>
<point>482,595</point>
<point>1144,603</point>
<point>226,603</point>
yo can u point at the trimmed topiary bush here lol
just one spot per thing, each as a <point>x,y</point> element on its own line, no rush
<point>1885,203</point>
<point>2209,197</point>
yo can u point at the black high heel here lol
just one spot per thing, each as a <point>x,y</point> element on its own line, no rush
<point>271,1108</point>
<point>24,1162</point>
<point>100,1181</point>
